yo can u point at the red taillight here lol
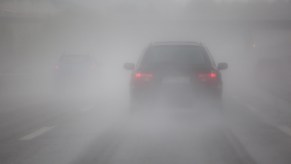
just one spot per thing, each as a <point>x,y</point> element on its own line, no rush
<point>212,75</point>
<point>143,76</point>
<point>207,76</point>
<point>138,75</point>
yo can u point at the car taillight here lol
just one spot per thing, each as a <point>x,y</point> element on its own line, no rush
<point>143,76</point>
<point>207,76</point>
<point>212,75</point>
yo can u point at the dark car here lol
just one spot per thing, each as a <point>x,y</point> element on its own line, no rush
<point>75,72</point>
<point>175,71</point>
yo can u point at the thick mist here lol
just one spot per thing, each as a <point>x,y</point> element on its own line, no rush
<point>252,37</point>
<point>121,31</point>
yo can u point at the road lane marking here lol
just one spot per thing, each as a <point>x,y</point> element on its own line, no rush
<point>282,128</point>
<point>285,129</point>
<point>36,133</point>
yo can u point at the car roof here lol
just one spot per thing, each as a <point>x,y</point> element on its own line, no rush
<point>176,43</point>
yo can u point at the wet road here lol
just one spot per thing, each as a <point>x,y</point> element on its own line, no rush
<point>254,128</point>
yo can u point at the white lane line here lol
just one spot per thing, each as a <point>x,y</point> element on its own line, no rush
<point>285,129</point>
<point>36,133</point>
<point>282,128</point>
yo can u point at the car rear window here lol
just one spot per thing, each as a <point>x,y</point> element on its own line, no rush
<point>180,54</point>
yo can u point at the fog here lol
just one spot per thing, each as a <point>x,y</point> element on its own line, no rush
<point>252,37</point>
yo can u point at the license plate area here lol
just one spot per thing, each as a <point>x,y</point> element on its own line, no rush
<point>177,80</point>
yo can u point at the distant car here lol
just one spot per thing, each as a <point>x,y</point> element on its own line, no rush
<point>75,72</point>
<point>180,70</point>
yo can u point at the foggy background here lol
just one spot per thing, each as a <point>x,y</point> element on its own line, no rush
<point>252,36</point>
<point>35,33</point>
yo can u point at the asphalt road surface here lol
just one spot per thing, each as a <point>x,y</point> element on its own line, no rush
<point>253,128</point>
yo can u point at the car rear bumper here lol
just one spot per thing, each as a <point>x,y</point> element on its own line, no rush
<point>177,93</point>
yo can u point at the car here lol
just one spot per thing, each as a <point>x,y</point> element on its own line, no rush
<point>182,71</point>
<point>75,72</point>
